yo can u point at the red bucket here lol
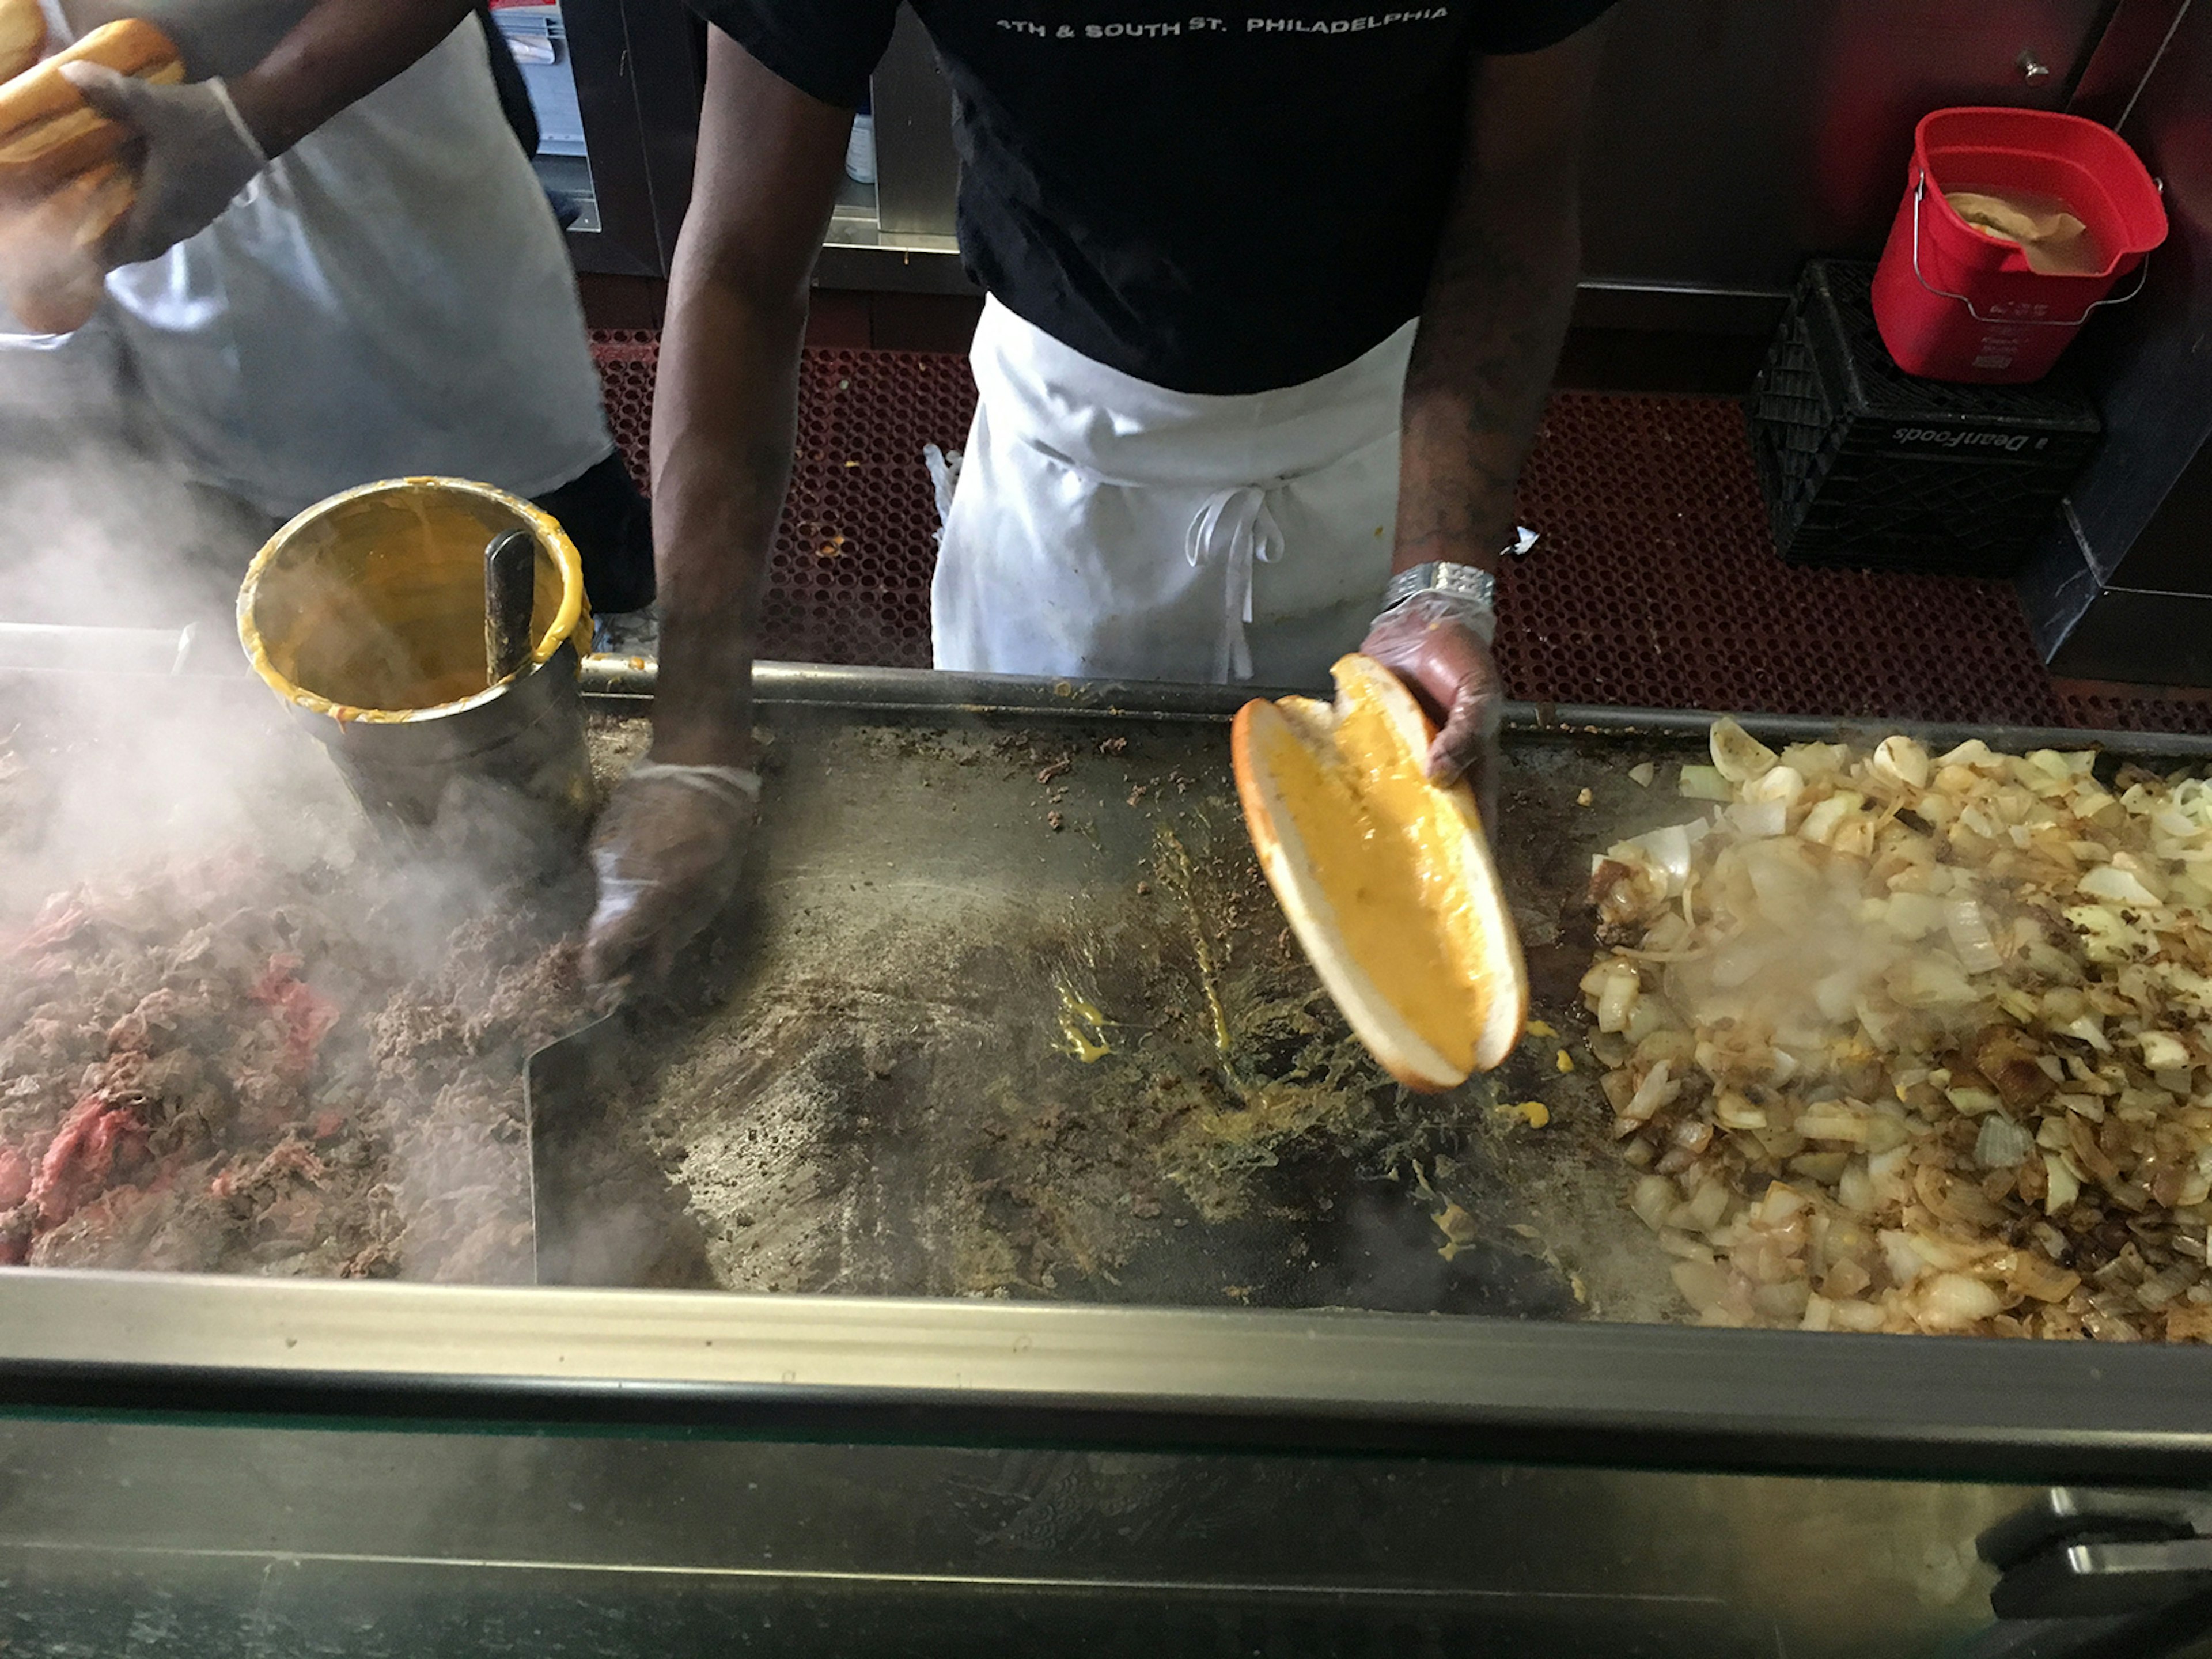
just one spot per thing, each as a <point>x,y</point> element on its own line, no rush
<point>1956,303</point>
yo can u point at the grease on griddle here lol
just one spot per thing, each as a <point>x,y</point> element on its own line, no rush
<point>1081,1027</point>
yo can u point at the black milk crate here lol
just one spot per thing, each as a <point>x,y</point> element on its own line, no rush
<point>1866,466</point>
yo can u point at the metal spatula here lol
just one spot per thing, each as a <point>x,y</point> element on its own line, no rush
<point>510,594</point>
<point>567,1087</point>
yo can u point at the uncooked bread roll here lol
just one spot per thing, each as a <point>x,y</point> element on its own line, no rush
<point>49,266</point>
<point>22,36</point>
<point>48,133</point>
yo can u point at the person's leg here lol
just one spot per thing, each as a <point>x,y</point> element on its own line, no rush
<point>611,524</point>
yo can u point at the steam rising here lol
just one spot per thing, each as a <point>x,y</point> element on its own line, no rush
<point>174,808</point>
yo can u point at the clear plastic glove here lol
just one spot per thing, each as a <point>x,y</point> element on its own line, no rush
<point>1439,645</point>
<point>197,154</point>
<point>667,851</point>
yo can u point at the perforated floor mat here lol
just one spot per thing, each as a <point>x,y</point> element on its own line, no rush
<point>1655,583</point>
<point>849,579</point>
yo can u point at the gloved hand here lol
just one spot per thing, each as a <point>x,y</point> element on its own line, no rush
<point>667,851</point>
<point>197,154</point>
<point>1439,645</point>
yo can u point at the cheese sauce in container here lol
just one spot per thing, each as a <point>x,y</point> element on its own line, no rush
<point>366,614</point>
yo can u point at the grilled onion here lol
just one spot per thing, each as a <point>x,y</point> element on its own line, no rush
<point>1919,1043</point>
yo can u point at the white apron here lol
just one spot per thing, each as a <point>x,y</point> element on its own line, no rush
<point>392,296</point>
<point>1106,527</point>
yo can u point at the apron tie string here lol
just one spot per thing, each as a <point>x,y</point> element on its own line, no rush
<point>1237,527</point>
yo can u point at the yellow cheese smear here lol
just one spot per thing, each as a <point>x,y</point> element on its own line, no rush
<point>1385,857</point>
<point>1081,1027</point>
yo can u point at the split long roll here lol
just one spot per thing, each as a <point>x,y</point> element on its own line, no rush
<point>48,134</point>
<point>63,182</point>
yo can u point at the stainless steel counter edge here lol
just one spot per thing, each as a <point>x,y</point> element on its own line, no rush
<point>779,684</point>
<point>957,1371</point>
<point>627,683</point>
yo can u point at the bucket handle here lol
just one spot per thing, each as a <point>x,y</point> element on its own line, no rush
<point>2142,275</point>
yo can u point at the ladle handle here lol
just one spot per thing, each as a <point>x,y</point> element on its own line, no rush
<point>510,593</point>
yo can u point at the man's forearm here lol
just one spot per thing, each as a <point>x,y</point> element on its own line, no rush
<point>1498,299</point>
<point>724,416</point>
<point>339,53</point>
<point>1489,340</point>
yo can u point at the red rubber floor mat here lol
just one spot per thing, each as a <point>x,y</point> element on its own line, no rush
<point>848,581</point>
<point>1656,584</point>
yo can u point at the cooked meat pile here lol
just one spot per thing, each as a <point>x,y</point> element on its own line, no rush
<point>230,1068</point>
<point>1915,1043</point>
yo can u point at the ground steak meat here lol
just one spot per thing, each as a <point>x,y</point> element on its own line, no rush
<point>225,1067</point>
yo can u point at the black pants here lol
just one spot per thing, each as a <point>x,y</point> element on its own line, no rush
<point>611,525</point>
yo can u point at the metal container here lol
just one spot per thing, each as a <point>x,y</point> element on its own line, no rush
<point>365,615</point>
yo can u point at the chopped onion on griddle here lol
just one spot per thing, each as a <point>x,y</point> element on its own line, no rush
<point>1908,1042</point>
<point>1705,783</point>
<point>2002,1144</point>
<point>1737,756</point>
<point>1971,939</point>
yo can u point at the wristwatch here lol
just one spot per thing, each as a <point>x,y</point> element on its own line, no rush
<point>1476,587</point>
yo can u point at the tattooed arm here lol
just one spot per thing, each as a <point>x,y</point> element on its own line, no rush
<point>1498,296</point>
<point>1497,310</point>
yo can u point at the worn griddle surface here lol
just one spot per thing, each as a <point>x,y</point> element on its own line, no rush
<point>886,1076</point>
<point>1007,1009</point>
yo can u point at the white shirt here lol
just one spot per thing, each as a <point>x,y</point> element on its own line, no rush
<point>392,296</point>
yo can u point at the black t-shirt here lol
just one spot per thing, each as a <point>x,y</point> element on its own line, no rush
<point>1224,196</point>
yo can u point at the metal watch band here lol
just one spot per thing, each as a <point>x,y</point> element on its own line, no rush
<point>1462,581</point>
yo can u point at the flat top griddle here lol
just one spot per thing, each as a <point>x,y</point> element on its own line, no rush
<point>1006,1009</point>
<point>859,1186</point>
